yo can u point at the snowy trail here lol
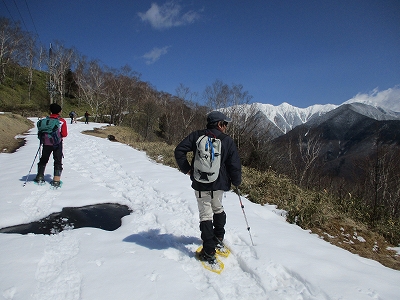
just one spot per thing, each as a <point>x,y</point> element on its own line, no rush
<point>151,256</point>
<point>56,274</point>
<point>101,168</point>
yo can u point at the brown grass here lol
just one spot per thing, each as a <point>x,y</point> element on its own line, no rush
<point>358,239</point>
<point>12,125</point>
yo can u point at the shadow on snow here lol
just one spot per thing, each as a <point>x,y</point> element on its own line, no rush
<point>153,240</point>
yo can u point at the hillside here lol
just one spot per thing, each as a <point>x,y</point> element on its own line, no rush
<point>16,95</point>
<point>349,133</point>
<point>12,125</point>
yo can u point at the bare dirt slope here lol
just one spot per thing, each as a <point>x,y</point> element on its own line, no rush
<point>12,125</point>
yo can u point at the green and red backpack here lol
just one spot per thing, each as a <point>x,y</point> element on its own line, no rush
<point>49,131</point>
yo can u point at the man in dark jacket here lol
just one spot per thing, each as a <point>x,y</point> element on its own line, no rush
<point>209,195</point>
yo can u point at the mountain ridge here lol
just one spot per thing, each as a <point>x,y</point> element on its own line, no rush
<point>286,117</point>
<point>347,135</point>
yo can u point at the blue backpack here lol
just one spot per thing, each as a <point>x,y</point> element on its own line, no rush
<point>49,132</point>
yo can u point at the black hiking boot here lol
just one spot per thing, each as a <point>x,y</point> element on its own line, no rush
<point>56,184</point>
<point>220,247</point>
<point>210,258</point>
<point>218,241</point>
<point>39,179</point>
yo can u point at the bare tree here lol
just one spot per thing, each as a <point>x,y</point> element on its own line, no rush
<point>217,95</point>
<point>299,157</point>
<point>247,128</point>
<point>147,110</point>
<point>309,147</point>
<point>120,86</point>
<point>187,108</point>
<point>90,78</point>
<point>11,39</point>
<point>381,183</point>
<point>244,124</point>
<point>41,57</point>
<point>30,57</point>
<point>60,61</point>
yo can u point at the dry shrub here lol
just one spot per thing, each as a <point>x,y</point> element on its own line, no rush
<point>318,212</point>
<point>304,208</point>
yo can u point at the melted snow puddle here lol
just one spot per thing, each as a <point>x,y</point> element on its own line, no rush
<point>106,216</point>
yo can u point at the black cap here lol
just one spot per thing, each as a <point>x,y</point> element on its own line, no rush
<point>216,116</point>
<point>55,108</point>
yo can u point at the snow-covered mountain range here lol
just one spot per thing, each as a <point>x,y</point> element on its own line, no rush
<point>383,105</point>
<point>285,116</point>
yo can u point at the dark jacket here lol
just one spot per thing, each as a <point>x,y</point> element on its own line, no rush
<point>230,171</point>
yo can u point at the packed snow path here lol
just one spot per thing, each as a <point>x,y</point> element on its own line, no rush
<point>151,255</point>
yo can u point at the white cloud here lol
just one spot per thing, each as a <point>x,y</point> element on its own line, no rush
<point>389,98</point>
<point>155,54</point>
<point>168,15</point>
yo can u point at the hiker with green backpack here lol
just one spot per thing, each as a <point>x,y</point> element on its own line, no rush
<point>214,168</point>
<point>51,131</point>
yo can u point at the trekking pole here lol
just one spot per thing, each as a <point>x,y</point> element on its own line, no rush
<point>27,176</point>
<point>244,214</point>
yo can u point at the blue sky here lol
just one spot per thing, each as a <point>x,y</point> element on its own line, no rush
<point>301,52</point>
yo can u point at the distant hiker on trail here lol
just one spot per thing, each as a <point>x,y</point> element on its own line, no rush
<point>208,190</point>
<point>72,115</point>
<point>87,117</point>
<point>52,143</point>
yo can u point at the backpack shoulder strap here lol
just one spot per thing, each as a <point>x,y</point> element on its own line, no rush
<point>209,133</point>
<point>39,123</point>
